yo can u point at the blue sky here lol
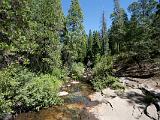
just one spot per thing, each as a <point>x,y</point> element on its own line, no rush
<point>93,9</point>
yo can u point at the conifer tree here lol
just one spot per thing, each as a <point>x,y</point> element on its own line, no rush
<point>89,45</point>
<point>117,31</point>
<point>104,36</point>
<point>76,34</point>
<point>142,43</point>
<point>156,31</point>
<point>48,25</point>
<point>96,46</point>
<point>89,54</point>
<point>90,42</point>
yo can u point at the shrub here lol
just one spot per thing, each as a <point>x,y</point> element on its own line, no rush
<point>60,73</point>
<point>12,79</point>
<point>103,74</point>
<point>103,66</point>
<point>5,106</point>
<point>117,85</point>
<point>77,70</point>
<point>100,83</point>
<point>19,86</point>
<point>40,92</point>
<point>121,57</point>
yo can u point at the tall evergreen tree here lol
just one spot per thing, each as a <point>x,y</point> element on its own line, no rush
<point>76,41</point>
<point>49,22</point>
<point>96,46</point>
<point>156,31</point>
<point>143,12</point>
<point>90,41</point>
<point>117,31</point>
<point>89,44</point>
<point>104,36</point>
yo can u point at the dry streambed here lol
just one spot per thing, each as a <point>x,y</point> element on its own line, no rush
<point>130,104</point>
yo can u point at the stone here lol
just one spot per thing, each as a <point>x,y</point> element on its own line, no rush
<point>152,111</point>
<point>63,93</point>
<point>68,85</point>
<point>75,82</point>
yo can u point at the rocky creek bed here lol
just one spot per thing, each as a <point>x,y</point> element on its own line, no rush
<point>81,103</point>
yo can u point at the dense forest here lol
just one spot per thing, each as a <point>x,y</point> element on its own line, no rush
<point>41,49</point>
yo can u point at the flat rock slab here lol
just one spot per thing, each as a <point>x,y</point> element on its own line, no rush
<point>129,106</point>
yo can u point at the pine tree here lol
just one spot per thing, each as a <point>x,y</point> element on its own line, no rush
<point>117,31</point>
<point>47,25</point>
<point>104,36</point>
<point>76,34</point>
<point>90,42</point>
<point>96,46</point>
<point>89,54</point>
<point>142,42</point>
<point>143,10</point>
<point>156,31</point>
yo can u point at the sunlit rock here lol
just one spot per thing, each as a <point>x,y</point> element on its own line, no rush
<point>152,112</point>
<point>75,82</point>
<point>68,85</point>
<point>63,93</point>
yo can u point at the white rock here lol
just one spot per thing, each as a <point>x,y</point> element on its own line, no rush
<point>68,85</point>
<point>63,93</point>
<point>152,111</point>
<point>75,82</point>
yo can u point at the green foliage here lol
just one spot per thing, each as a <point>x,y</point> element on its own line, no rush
<point>100,83</point>
<point>31,32</point>
<point>96,45</point>
<point>148,99</point>
<point>117,85</point>
<point>104,37</point>
<point>103,66</point>
<point>41,92</point>
<point>60,73</point>
<point>140,28</point>
<point>118,28</point>
<point>19,85</point>
<point>12,80</point>
<point>48,22</point>
<point>5,106</point>
<point>77,70</point>
<point>102,72</point>
<point>75,42</point>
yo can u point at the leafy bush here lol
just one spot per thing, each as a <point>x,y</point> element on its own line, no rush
<point>5,106</point>
<point>121,57</point>
<point>19,86</point>
<point>100,83</point>
<point>77,70</point>
<point>103,66</point>
<point>41,92</point>
<point>117,85</point>
<point>60,73</point>
<point>103,74</point>
<point>12,79</point>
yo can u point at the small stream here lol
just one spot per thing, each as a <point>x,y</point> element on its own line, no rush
<point>73,108</point>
